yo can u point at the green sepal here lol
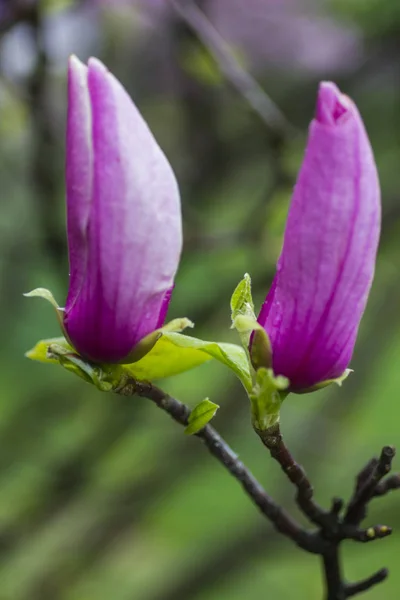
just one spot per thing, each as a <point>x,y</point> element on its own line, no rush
<point>47,295</point>
<point>260,354</point>
<point>267,391</point>
<point>64,354</point>
<point>323,384</point>
<point>245,322</point>
<point>173,353</point>
<point>149,341</point>
<point>261,349</point>
<point>266,398</point>
<point>200,416</point>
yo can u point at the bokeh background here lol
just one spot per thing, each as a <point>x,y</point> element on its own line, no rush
<point>104,497</point>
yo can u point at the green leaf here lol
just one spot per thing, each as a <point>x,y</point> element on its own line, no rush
<point>242,311</point>
<point>242,300</point>
<point>200,416</point>
<point>173,353</point>
<point>245,322</point>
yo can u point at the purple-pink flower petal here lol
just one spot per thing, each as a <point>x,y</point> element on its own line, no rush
<point>79,167</point>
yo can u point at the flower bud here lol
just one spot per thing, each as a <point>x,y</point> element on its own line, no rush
<point>124,219</point>
<point>314,307</point>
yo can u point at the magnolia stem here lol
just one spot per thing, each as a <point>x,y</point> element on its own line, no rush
<point>331,529</point>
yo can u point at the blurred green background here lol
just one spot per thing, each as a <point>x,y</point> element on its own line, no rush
<point>104,497</point>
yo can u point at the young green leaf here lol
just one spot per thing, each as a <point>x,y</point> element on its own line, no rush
<point>200,416</point>
<point>242,301</point>
<point>242,311</point>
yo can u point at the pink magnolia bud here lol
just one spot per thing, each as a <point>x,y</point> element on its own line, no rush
<point>124,219</point>
<point>314,307</point>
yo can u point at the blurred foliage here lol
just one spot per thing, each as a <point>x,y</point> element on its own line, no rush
<point>103,496</point>
<point>377,19</point>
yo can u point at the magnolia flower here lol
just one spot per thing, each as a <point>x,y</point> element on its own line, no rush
<point>314,307</point>
<point>124,219</point>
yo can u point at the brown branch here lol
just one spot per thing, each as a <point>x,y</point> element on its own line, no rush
<point>387,485</point>
<point>273,440</point>
<point>333,575</point>
<point>371,534</point>
<point>366,485</point>
<point>282,521</point>
<point>332,527</point>
<point>366,584</point>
